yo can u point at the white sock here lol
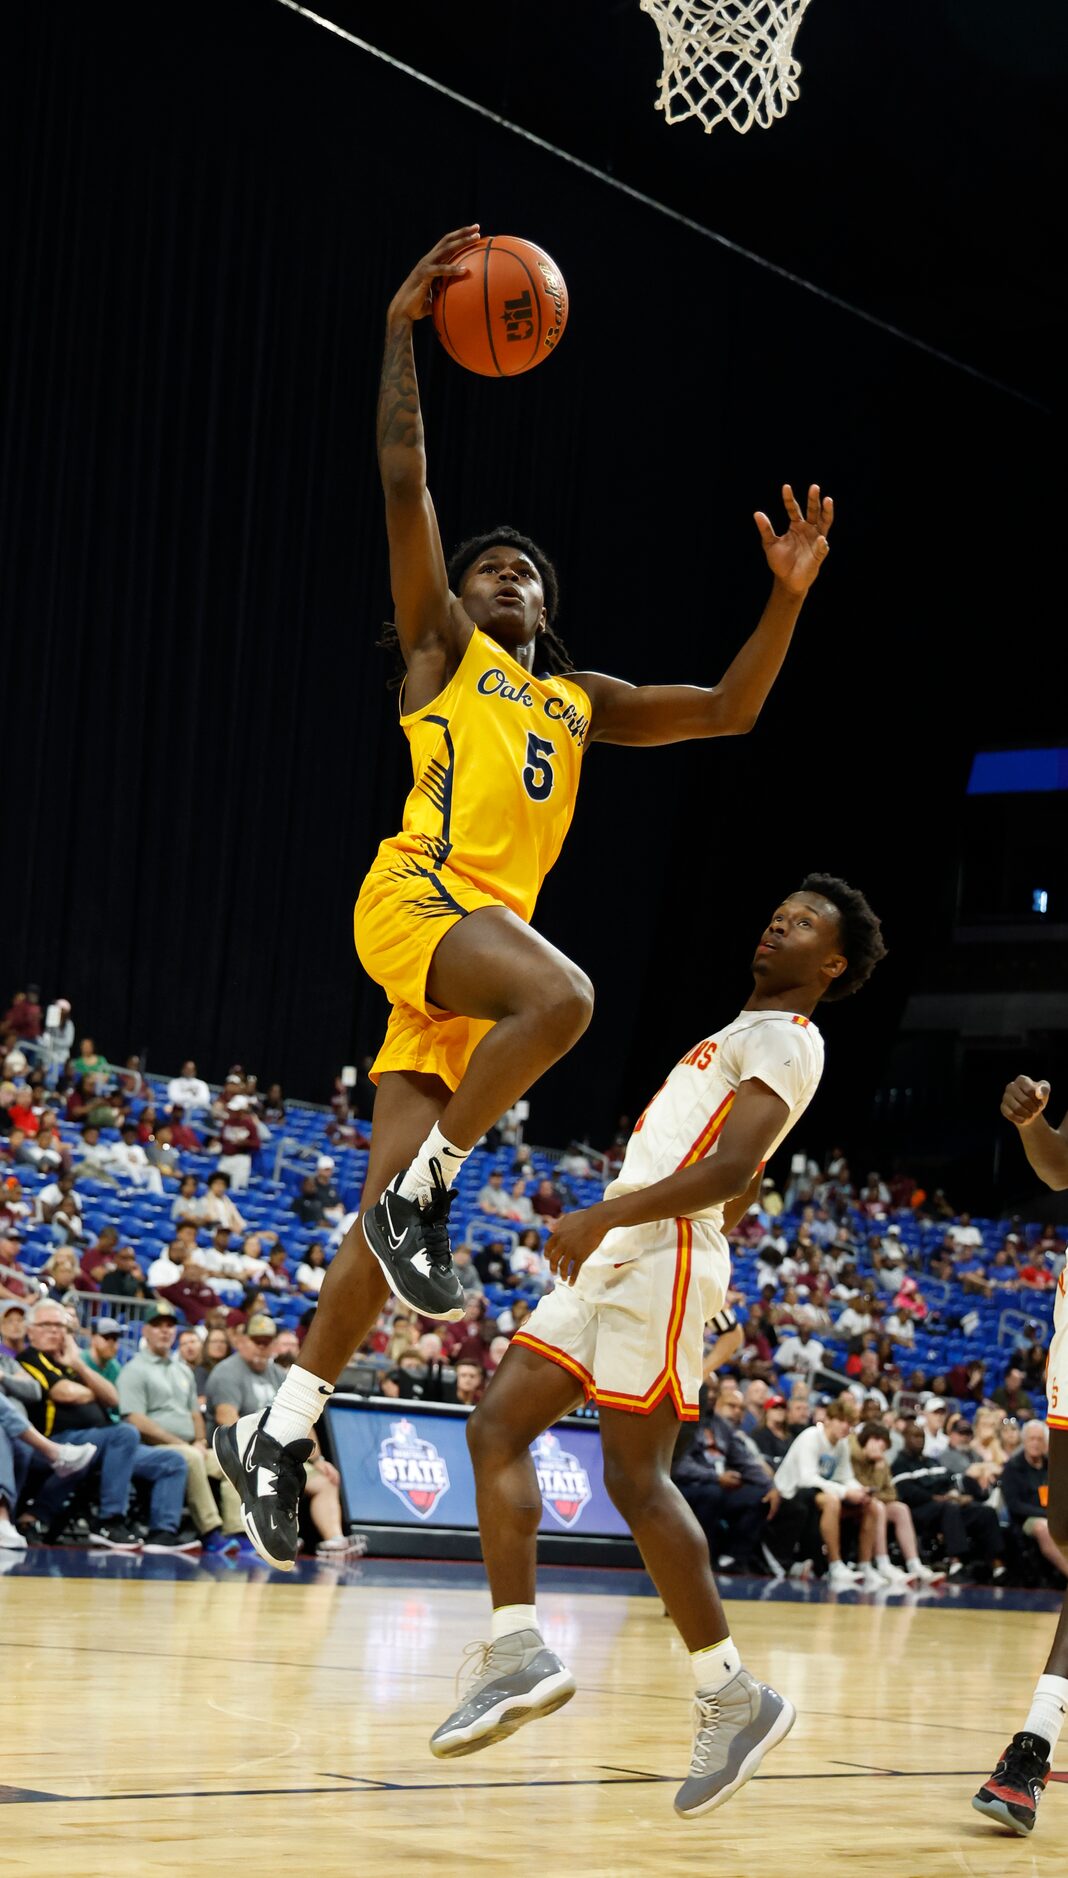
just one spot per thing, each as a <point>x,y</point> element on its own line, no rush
<point>1048,1710</point>
<point>715,1666</point>
<point>508,1618</point>
<point>912,1566</point>
<point>417,1183</point>
<point>297,1406</point>
<point>882,1560</point>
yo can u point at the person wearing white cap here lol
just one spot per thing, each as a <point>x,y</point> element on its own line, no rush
<point>57,1040</point>
<point>327,1191</point>
<point>240,1139</point>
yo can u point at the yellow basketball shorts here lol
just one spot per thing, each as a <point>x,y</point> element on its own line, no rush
<point>631,1328</point>
<point>402,914</point>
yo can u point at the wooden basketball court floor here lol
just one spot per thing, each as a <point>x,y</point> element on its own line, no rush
<point>161,1715</point>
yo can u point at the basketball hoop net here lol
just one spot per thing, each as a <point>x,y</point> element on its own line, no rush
<point>727,61</point>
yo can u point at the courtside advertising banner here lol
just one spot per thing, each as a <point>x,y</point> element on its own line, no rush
<point>404,1463</point>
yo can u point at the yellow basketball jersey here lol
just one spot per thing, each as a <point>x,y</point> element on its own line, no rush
<point>496,758</point>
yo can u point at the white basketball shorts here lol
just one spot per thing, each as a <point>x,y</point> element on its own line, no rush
<point>1057,1367</point>
<point>631,1328</point>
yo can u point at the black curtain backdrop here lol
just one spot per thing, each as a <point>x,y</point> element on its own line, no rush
<point>206,212</point>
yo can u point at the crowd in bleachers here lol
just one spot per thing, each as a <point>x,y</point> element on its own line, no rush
<point>184,1233</point>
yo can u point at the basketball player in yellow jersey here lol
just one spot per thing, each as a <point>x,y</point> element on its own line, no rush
<point>482,1005</point>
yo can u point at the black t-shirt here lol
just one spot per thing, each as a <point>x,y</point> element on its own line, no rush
<point>492,1266</point>
<point>55,1418</point>
<point>771,1445</point>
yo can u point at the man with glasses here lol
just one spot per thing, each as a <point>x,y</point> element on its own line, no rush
<point>75,1406</point>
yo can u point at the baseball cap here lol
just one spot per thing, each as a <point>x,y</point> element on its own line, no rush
<point>324,1164</point>
<point>163,1314</point>
<point>107,1327</point>
<point>893,1232</point>
<point>260,1325</point>
<point>933,1401</point>
<point>13,1304</point>
<point>775,1401</point>
<point>238,1102</point>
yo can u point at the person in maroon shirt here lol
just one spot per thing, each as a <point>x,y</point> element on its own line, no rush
<point>24,1017</point>
<point>192,1295</point>
<point>547,1203</point>
<point>185,1139</point>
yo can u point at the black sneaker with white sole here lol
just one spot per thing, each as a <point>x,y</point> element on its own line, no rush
<point>270,1480</point>
<point>411,1243</point>
<point>113,1535</point>
<point>161,1541</point>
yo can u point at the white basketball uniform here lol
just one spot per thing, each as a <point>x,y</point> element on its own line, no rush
<point>1057,1367</point>
<point>631,1328</point>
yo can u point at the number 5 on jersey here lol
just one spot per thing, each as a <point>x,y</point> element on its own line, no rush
<point>538,772</point>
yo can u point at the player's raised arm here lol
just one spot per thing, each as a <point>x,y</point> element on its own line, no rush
<point>755,1122</point>
<point>416,562</point>
<point>652,714</point>
<point>1046,1148</point>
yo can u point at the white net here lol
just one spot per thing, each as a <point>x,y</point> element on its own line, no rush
<point>727,61</point>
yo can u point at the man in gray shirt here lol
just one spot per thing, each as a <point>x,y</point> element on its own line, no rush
<point>248,1381</point>
<point>158,1396</point>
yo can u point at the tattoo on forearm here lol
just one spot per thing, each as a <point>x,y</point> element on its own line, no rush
<point>400,423</point>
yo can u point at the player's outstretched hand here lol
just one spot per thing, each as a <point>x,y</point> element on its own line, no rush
<point>1024,1100</point>
<point>413,300</point>
<point>574,1237</point>
<point>796,557</point>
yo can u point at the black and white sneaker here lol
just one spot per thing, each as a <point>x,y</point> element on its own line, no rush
<point>161,1541</point>
<point>411,1243</point>
<point>113,1535</point>
<point>270,1481</point>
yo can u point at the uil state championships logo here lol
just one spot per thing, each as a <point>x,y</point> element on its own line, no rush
<point>412,1469</point>
<point>564,1482</point>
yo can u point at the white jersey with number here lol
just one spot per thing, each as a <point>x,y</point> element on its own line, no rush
<point>685,1119</point>
<point>631,1328</point>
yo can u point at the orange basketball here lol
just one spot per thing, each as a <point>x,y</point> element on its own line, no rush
<point>509,312</point>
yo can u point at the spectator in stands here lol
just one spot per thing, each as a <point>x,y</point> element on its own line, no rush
<point>798,1408</point>
<point>131,1163</point>
<point>188,1349</point>
<point>1012,1397</point>
<point>13,1330</point>
<point>466,1271</point>
<point>103,1352</point>
<point>216,1208</point>
<point>276,1276</point>
<point>158,1397</point>
<point>933,1422</point>
<point>312,1270</point>
<point>945,1508</point>
<point>865,1386</point>
<point>246,1380</point>
<point>963,1233</point>
<point>1009,1436</point>
<point>240,1139</point>
<point>306,1204</point>
<point>327,1191</point>
<point>520,1211</point>
<point>183,1137</point>
<point>546,1202</point>
<point>285,1349</point>
<point>274,1107</point>
<point>1025,1494</point>
<point>46,1152</point>
<point>727,1484</point>
<point>869,1447</point>
<point>470,1382</point>
<point>57,1040</point>
<point>63,1277</point>
<point>188,1091</point>
<point>163,1153</point>
<point>191,1294</point>
<point>214,1350</point>
<point>23,1016</point>
<point>814,1479</point>
<point>754,1396</point>
<point>59,1208</point>
<point>75,1405</point>
<point>1030,1357</point>
<point>492,1199</point>
<point>494,1266</point>
<point>800,1354</point>
<point>773,1437</point>
<point>94,1159</point>
<point>528,1264</point>
<point>962,1457</point>
<point>184,1204</point>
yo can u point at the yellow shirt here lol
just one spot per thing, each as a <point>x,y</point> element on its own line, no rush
<point>496,758</point>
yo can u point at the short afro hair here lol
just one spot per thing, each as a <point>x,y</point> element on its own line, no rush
<point>862,938</point>
<point>468,552</point>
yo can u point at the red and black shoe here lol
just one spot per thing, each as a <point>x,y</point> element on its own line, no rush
<point>1012,1793</point>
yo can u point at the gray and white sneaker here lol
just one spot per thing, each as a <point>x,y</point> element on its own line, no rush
<point>73,1459</point>
<point>509,1682</point>
<point>734,1729</point>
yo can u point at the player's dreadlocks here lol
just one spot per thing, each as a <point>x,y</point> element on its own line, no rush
<point>862,938</point>
<point>554,655</point>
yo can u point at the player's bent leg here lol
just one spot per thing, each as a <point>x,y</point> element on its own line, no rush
<point>737,1720</point>
<point>514,1678</point>
<point>492,965</point>
<point>263,1455</point>
<point>1010,1797</point>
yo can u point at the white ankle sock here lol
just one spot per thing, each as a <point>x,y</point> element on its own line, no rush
<point>1048,1710</point>
<point>715,1666</point>
<point>297,1406</point>
<point>417,1182</point>
<point>511,1617</point>
<point>882,1560</point>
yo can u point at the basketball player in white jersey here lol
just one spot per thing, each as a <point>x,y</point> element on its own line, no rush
<point>639,1275</point>
<point>1011,1795</point>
